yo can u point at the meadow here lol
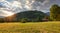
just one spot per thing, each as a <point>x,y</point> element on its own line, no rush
<point>40,27</point>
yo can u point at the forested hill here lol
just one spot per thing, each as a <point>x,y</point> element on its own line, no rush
<point>30,15</point>
<point>27,16</point>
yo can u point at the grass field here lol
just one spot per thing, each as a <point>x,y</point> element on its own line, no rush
<point>41,27</point>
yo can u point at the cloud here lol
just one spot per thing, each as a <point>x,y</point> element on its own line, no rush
<point>2,0</point>
<point>5,13</point>
<point>16,6</point>
<point>40,0</point>
<point>44,4</point>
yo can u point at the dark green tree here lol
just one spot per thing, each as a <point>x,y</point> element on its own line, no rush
<point>55,12</point>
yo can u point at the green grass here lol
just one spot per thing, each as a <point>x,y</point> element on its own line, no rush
<point>41,27</point>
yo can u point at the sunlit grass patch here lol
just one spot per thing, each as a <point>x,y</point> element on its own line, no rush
<point>40,27</point>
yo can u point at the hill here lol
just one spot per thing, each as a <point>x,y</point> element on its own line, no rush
<point>30,16</point>
<point>26,16</point>
<point>48,13</point>
<point>44,27</point>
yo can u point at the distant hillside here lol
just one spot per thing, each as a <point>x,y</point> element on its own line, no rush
<point>28,16</point>
<point>48,13</point>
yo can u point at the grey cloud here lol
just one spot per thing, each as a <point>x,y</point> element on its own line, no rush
<point>42,5</point>
<point>40,0</point>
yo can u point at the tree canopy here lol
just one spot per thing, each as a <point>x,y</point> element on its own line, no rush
<point>55,12</point>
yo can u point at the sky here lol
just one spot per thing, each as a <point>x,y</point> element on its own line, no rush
<point>10,7</point>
